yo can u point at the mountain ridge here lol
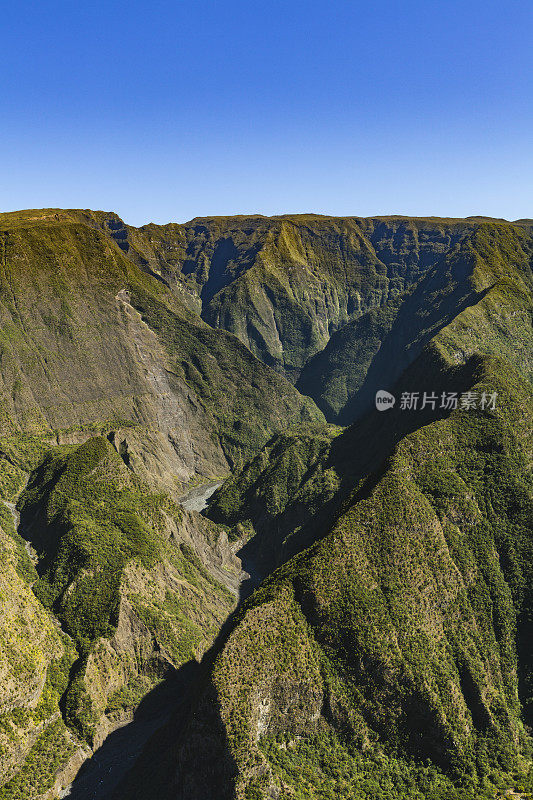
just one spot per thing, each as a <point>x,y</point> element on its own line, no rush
<point>378,644</point>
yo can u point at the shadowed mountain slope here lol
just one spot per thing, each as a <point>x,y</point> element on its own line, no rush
<point>371,352</point>
<point>384,659</point>
<point>395,635</point>
<point>385,651</point>
<point>87,338</point>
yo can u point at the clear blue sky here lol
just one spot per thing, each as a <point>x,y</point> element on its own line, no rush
<point>164,111</point>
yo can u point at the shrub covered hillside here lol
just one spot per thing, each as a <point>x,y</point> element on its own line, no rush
<point>393,658</point>
<point>34,664</point>
<point>382,661</point>
<point>351,616</point>
<point>88,338</point>
<point>477,300</point>
<point>124,573</point>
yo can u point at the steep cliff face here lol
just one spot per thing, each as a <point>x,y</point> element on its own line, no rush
<point>385,652</point>
<point>88,339</point>
<point>488,271</point>
<point>283,285</point>
<point>393,639</point>
<point>396,633</point>
<point>335,374</point>
<point>480,299</point>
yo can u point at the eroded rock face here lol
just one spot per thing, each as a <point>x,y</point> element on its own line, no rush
<point>379,632</point>
<point>388,632</point>
<point>30,644</point>
<point>175,447</point>
<point>95,343</point>
<point>284,285</point>
<point>410,598</point>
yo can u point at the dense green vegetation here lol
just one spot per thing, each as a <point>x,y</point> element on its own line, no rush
<point>322,767</point>
<point>90,526</point>
<point>410,605</point>
<point>283,285</point>
<point>89,517</point>
<point>386,652</point>
<point>49,753</point>
<point>392,640</point>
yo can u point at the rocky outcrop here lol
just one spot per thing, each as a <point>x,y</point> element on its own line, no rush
<point>385,650</point>
<point>92,343</point>
<point>284,285</point>
<point>394,633</point>
<point>409,613</point>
